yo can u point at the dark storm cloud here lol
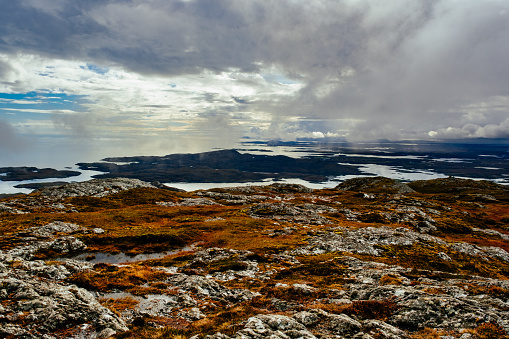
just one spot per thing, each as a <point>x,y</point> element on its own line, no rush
<point>175,37</point>
<point>396,65</point>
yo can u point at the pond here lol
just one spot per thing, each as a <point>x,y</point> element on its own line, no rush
<point>123,258</point>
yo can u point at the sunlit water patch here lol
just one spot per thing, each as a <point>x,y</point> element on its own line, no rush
<point>411,157</point>
<point>452,160</point>
<point>395,172</point>
<point>192,186</point>
<point>289,151</point>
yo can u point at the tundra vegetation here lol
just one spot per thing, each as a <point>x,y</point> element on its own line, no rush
<point>371,258</point>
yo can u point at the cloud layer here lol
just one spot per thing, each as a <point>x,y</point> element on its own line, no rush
<point>367,69</point>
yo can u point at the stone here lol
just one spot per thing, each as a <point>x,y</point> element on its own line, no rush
<point>93,188</point>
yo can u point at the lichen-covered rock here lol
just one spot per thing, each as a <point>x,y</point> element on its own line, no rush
<point>66,244</point>
<point>374,184</point>
<point>205,287</point>
<point>289,212</point>
<point>47,306</point>
<point>363,240</point>
<point>51,229</point>
<point>93,188</point>
<point>273,326</point>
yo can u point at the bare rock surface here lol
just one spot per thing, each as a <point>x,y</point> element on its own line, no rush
<point>53,228</point>
<point>363,240</point>
<point>206,287</point>
<point>368,241</point>
<point>377,184</point>
<point>94,188</point>
<point>36,302</point>
<point>308,214</point>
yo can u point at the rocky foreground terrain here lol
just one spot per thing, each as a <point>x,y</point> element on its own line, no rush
<point>372,258</point>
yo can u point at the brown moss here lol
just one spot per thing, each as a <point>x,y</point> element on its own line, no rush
<point>490,331</point>
<point>107,277</point>
<point>428,333</point>
<point>390,279</point>
<point>372,309</point>
<point>120,304</point>
<point>364,309</point>
<point>143,332</point>
<point>434,290</point>
<point>493,290</point>
<point>227,321</point>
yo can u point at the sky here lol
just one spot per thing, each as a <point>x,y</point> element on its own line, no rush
<point>82,80</point>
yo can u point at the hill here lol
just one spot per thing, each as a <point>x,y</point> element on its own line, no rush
<point>372,258</point>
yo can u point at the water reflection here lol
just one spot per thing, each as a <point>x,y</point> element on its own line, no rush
<point>122,258</point>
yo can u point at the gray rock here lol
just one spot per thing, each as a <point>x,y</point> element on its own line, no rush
<point>51,229</point>
<point>383,330</point>
<point>206,287</point>
<point>53,306</point>
<point>197,202</point>
<point>64,244</point>
<point>307,318</point>
<point>307,214</point>
<point>303,288</point>
<point>273,326</point>
<point>93,188</point>
<point>343,324</point>
<point>363,240</point>
<point>444,256</point>
<point>106,333</point>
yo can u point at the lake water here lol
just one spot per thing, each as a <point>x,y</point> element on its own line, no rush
<point>8,186</point>
<point>368,170</point>
<point>122,258</point>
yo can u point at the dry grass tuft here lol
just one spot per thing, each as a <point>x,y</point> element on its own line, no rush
<point>106,277</point>
<point>490,331</point>
<point>120,304</point>
<point>390,279</point>
<point>365,309</point>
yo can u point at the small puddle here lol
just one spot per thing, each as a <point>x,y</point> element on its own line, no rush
<point>122,258</point>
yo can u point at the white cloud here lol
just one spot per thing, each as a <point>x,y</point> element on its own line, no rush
<point>363,69</point>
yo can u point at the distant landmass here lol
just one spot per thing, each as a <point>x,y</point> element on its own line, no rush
<point>312,162</point>
<point>324,161</point>
<point>31,173</point>
<point>220,166</point>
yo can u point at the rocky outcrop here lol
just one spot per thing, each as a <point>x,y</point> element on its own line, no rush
<point>305,214</point>
<point>93,188</point>
<point>233,199</point>
<point>56,239</point>
<point>188,202</point>
<point>374,184</point>
<point>206,287</point>
<point>370,239</point>
<point>35,302</point>
<point>312,324</point>
<point>453,184</point>
<point>363,240</point>
<point>51,229</point>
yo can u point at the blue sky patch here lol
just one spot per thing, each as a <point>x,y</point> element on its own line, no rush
<point>20,104</point>
<point>97,69</point>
